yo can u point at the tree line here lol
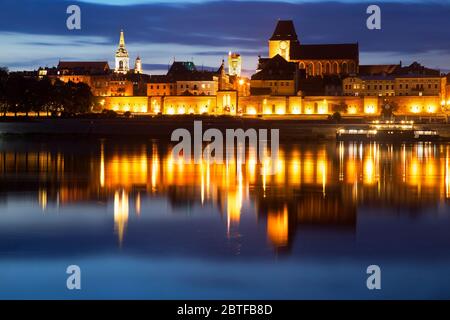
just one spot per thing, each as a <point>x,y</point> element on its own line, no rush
<point>24,94</point>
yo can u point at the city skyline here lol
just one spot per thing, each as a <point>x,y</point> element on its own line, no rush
<point>157,42</point>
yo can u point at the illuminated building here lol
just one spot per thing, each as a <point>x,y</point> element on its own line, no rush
<point>138,65</point>
<point>276,76</point>
<point>296,79</point>
<point>120,87</point>
<point>161,85</point>
<point>316,60</point>
<point>122,58</point>
<point>369,86</point>
<point>184,79</point>
<point>400,85</point>
<point>234,64</point>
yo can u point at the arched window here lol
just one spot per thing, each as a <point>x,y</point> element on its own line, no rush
<point>344,68</point>
<point>318,69</point>
<point>335,68</point>
<point>302,65</point>
<point>121,64</point>
<point>310,69</point>
<point>327,68</point>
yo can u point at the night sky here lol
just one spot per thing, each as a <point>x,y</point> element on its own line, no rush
<point>33,33</point>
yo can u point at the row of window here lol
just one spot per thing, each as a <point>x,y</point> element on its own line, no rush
<point>163,86</point>
<point>387,94</point>
<point>182,86</point>
<point>195,87</point>
<point>281,83</point>
<point>388,87</point>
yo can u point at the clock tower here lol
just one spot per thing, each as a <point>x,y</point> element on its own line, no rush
<point>283,39</point>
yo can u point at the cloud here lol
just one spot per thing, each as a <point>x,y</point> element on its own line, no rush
<point>207,30</point>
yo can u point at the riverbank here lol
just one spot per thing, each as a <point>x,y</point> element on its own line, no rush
<point>161,127</point>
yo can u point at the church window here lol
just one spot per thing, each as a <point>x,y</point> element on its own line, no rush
<point>335,68</point>
<point>310,69</point>
<point>318,69</point>
<point>328,68</point>
<point>344,68</point>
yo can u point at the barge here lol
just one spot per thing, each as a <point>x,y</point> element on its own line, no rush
<point>388,131</point>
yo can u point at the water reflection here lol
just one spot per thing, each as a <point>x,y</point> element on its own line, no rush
<point>314,185</point>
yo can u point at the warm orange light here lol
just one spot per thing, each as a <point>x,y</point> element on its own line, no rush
<point>370,109</point>
<point>352,110</point>
<point>415,109</point>
<point>121,207</point>
<point>251,110</point>
<point>278,227</point>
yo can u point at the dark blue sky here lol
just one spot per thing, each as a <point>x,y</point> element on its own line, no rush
<point>33,32</point>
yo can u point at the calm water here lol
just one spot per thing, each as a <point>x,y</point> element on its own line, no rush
<point>141,225</point>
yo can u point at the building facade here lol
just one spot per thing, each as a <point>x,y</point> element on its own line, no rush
<point>122,58</point>
<point>315,59</point>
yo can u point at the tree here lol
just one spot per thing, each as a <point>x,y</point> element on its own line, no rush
<point>388,109</point>
<point>341,107</point>
<point>41,91</point>
<point>83,98</point>
<point>14,92</point>
<point>3,81</point>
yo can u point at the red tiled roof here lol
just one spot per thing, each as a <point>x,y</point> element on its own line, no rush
<point>325,51</point>
<point>379,69</point>
<point>276,68</point>
<point>98,65</point>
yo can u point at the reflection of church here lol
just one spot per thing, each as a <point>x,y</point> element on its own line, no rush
<point>315,59</point>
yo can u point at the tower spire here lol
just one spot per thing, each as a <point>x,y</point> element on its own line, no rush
<point>122,39</point>
<point>122,58</point>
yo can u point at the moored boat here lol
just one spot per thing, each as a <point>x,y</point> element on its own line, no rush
<point>388,131</point>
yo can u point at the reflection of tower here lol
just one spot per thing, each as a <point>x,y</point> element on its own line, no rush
<point>277,227</point>
<point>234,64</point>
<point>121,207</point>
<point>138,65</point>
<point>122,58</point>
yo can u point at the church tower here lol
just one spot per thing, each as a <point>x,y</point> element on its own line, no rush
<point>122,58</point>
<point>234,64</point>
<point>138,65</point>
<point>283,40</point>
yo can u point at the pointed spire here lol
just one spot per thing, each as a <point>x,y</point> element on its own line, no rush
<point>122,39</point>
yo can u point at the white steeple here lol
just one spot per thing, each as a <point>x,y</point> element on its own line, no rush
<point>138,65</point>
<point>122,58</point>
